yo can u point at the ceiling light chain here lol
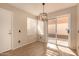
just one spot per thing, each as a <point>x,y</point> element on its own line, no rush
<point>43,6</point>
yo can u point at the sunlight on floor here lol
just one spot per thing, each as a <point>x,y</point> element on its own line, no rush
<point>62,42</point>
<point>51,53</point>
<point>67,50</point>
<point>52,46</point>
<point>52,50</point>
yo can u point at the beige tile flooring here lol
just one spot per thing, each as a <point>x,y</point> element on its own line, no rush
<point>40,49</point>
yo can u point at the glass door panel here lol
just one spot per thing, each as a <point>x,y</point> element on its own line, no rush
<point>62,30</point>
<point>52,30</point>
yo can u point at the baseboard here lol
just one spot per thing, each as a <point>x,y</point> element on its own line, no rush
<point>24,44</point>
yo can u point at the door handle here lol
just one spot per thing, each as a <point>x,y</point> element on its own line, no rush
<point>68,31</point>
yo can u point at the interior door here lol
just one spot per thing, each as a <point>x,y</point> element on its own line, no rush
<point>5,30</point>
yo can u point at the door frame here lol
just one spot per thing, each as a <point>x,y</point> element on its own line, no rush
<point>12,31</point>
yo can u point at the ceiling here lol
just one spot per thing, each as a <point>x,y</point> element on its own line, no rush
<point>37,8</point>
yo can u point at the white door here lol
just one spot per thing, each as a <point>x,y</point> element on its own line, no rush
<point>5,30</point>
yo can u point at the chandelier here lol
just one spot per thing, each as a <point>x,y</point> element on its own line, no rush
<point>43,16</point>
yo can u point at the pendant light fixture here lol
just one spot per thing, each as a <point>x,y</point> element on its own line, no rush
<point>43,16</point>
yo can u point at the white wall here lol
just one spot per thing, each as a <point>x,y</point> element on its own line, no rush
<point>25,36</point>
<point>19,22</point>
<point>31,29</point>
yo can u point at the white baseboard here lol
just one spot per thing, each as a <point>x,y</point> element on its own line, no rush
<point>24,44</point>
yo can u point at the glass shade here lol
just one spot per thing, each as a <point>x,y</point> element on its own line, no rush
<point>43,16</point>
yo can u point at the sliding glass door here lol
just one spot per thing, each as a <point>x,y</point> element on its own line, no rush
<point>52,31</point>
<point>58,29</point>
<point>59,35</point>
<point>62,30</point>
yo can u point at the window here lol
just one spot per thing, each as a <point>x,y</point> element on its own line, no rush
<point>31,26</point>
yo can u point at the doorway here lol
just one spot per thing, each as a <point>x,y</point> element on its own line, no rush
<point>58,28</point>
<point>5,30</point>
<point>59,35</point>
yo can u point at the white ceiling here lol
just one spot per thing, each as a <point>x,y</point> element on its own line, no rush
<point>36,8</point>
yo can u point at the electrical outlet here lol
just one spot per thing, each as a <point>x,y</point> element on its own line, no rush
<point>40,37</point>
<point>19,41</point>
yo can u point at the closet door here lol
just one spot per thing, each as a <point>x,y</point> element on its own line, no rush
<point>5,30</point>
